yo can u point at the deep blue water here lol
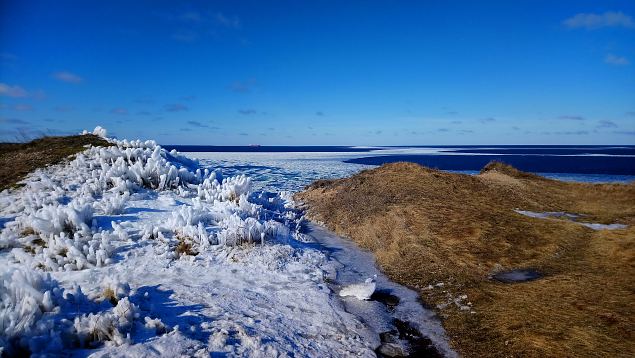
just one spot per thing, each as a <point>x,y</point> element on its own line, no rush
<point>563,159</point>
<point>528,163</point>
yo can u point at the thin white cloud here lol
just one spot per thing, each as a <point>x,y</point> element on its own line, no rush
<point>68,77</point>
<point>242,86</point>
<point>606,124</point>
<point>176,107</point>
<point>595,21</point>
<point>572,117</point>
<point>229,22</point>
<point>612,59</point>
<point>12,91</point>
<point>191,16</point>
<point>22,107</point>
<point>119,110</point>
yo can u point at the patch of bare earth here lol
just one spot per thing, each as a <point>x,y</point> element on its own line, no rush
<point>428,227</point>
<point>19,159</point>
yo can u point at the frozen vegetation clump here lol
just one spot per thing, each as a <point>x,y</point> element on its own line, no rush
<point>61,212</point>
<point>37,315</point>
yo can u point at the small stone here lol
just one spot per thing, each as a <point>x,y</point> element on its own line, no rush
<point>391,350</point>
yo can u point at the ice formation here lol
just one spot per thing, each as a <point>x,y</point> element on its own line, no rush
<point>131,249</point>
<point>572,217</point>
<point>361,291</point>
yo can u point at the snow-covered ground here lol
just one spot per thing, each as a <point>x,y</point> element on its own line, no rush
<point>131,250</point>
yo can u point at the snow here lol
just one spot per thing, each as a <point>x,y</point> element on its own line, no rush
<point>571,217</point>
<point>132,250</point>
<point>361,291</point>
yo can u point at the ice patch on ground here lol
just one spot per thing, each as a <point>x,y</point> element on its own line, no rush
<point>570,217</point>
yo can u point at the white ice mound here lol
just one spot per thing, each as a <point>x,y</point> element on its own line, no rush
<point>361,291</point>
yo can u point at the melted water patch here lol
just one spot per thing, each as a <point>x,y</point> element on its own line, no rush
<point>391,308</point>
<point>518,275</point>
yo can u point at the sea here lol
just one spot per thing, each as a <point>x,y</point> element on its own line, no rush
<point>290,168</point>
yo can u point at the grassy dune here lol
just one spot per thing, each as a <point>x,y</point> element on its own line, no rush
<point>19,159</point>
<point>427,226</point>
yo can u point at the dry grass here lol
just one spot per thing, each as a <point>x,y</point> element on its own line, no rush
<point>184,246</point>
<point>110,296</point>
<point>19,159</point>
<point>427,226</point>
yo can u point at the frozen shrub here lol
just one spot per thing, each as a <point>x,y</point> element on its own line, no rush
<point>28,300</point>
<point>113,204</point>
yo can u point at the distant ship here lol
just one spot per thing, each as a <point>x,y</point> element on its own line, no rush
<point>254,145</point>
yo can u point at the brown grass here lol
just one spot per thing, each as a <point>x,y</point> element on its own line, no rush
<point>427,226</point>
<point>184,246</point>
<point>19,159</point>
<point>109,294</point>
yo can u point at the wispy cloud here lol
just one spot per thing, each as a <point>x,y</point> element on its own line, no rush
<point>247,112</point>
<point>242,86</point>
<point>319,114</point>
<point>63,108</point>
<point>144,100</point>
<point>606,124</point>
<point>119,110</point>
<point>185,36</point>
<point>227,21</point>
<point>572,117</point>
<point>143,113</point>
<point>191,16</point>
<point>487,120</point>
<point>595,21</point>
<point>580,132</point>
<point>176,107</point>
<point>612,59</point>
<point>22,107</point>
<point>197,124</point>
<point>625,132</point>
<point>13,121</point>
<point>187,98</point>
<point>12,91</point>
<point>68,77</point>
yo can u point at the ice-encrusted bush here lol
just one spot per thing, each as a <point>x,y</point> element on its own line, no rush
<point>111,326</point>
<point>113,204</point>
<point>227,189</point>
<point>26,297</point>
<point>236,231</point>
<point>60,205</point>
<point>37,315</point>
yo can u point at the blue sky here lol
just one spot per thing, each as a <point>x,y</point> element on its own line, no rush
<point>321,72</point>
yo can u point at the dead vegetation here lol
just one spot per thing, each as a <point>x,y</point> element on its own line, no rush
<point>427,226</point>
<point>19,159</point>
<point>184,246</point>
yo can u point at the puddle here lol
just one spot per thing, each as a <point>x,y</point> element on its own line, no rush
<point>516,276</point>
<point>394,312</point>
<point>385,297</point>
<point>570,217</point>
